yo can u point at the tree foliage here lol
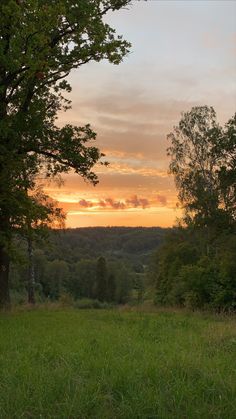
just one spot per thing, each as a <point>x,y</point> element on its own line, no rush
<point>185,276</point>
<point>54,37</point>
<point>203,162</point>
<point>195,267</point>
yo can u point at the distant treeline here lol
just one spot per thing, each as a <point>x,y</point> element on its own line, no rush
<point>129,243</point>
<point>69,262</point>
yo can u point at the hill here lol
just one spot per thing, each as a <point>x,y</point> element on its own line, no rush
<point>127,243</point>
<point>67,262</point>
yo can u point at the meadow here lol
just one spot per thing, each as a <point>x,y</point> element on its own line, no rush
<point>70,363</point>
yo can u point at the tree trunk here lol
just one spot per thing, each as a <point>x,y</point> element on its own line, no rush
<point>31,276</point>
<point>4,279</point>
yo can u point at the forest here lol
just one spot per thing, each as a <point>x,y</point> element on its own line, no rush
<point>67,263</point>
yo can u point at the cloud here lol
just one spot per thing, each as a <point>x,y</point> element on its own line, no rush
<point>111,203</point>
<point>161,199</point>
<point>131,124</point>
<point>131,166</point>
<point>136,202</point>
<point>111,183</point>
<point>106,204</point>
<point>132,202</point>
<point>85,204</point>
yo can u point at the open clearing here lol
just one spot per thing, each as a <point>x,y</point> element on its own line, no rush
<point>111,364</point>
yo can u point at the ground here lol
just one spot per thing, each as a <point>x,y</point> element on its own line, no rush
<point>113,364</point>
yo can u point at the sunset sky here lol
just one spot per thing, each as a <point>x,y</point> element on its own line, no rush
<point>183,54</point>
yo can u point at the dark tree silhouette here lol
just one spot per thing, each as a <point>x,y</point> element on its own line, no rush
<point>101,279</point>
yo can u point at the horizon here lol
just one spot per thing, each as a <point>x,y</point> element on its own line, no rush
<point>108,226</point>
<point>189,62</point>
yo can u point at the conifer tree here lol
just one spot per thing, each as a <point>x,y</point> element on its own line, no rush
<point>101,279</point>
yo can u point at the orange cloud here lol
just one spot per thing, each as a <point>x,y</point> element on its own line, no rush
<point>109,204</point>
<point>161,199</point>
<point>128,167</point>
<point>136,202</point>
<point>85,204</point>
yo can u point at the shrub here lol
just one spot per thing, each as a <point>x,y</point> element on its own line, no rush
<point>88,303</point>
<point>18,297</point>
<point>66,300</point>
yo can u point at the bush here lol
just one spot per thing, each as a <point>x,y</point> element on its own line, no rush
<point>18,297</point>
<point>196,276</point>
<point>192,300</point>
<point>66,300</point>
<point>88,303</point>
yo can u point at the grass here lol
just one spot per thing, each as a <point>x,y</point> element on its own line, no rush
<point>111,364</point>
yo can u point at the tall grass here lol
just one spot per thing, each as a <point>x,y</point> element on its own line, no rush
<point>111,364</point>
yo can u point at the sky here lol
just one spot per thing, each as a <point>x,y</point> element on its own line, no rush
<point>183,54</point>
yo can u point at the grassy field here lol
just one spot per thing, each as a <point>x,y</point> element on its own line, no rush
<point>111,364</point>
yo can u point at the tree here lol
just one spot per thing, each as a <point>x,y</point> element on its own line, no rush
<point>123,282</point>
<point>111,287</point>
<point>42,215</point>
<point>83,278</point>
<point>139,286</point>
<point>203,162</point>
<point>227,170</point>
<point>54,37</point>
<point>179,249</point>
<point>56,276</point>
<point>185,276</point>
<point>101,279</point>
<point>193,267</point>
<point>40,264</point>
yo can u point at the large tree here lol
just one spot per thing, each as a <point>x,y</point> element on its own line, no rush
<point>41,41</point>
<point>195,266</point>
<point>203,162</point>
